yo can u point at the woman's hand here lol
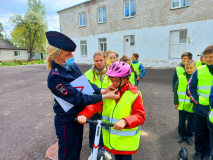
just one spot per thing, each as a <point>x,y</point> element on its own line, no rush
<point>108,89</point>
<point>176,106</point>
<point>112,95</point>
<point>82,119</point>
<point>120,125</point>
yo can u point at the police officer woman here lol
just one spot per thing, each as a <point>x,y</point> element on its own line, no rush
<point>63,71</point>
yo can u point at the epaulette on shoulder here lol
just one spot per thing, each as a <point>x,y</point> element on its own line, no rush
<point>55,71</point>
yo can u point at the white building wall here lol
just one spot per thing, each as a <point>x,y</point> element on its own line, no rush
<point>152,44</point>
<point>8,55</point>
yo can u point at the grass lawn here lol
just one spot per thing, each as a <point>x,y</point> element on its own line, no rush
<point>17,63</point>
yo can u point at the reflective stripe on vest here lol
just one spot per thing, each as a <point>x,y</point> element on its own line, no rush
<point>136,67</point>
<point>123,133</point>
<point>179,70</point>
<point>184,100</point>
<point>132,78</point>
<point>126,139</point>
<point>101,84</point>
<point>205,79</point>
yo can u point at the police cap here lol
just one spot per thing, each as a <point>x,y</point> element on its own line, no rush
<point>60,40</point>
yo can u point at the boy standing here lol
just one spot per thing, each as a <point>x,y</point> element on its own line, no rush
<point>138,67</point>
<point>180,69</point>
<point>198,88</point>
<point>201,61</point>
<point>183,104</point>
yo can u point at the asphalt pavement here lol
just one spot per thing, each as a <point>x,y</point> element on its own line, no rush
<point>27,117</point>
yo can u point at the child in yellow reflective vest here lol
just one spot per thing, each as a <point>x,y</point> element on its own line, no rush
<point>133,77</point>
<point>97,75</point>
<point>184,105</point>
<point>111,57</point>
<point>127,113</point>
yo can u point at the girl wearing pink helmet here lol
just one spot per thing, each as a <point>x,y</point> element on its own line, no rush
<point>127,113</point>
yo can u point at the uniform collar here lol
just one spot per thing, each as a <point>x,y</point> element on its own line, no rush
<point>59,67</point>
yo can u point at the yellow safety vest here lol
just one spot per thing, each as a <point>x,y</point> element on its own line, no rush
<point>132,78</point>
<point>126,139</point>
<point>179,70</point>
<point>136,67</point>
<point>205,81</point>
<point>184,100</point>
<point>198,63</point>
<point>101,84</point>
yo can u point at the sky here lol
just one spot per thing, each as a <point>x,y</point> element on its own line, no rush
<point>11,7</point>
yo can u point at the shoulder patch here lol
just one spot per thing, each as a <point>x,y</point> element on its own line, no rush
<point>55,71</point>
<point>62,89</point>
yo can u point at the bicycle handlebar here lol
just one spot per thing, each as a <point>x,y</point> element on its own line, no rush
<point>96,122</point>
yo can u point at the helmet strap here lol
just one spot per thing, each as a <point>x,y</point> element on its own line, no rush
<point>119,87</point>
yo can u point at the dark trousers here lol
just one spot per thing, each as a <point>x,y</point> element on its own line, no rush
<point>182,129</point>
<point>70,136</point>
<point>136,82</point>
<point>211,143</point>
<point>92,130</point>
<point>123,157</point>
<point>202,136</point>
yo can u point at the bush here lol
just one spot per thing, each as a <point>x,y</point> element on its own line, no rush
<point>17,63</point>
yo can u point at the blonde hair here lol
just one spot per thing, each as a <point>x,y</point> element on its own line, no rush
<point>98,53</point>
<point>190,62</point>
<point>108,52</point>
<point>52,52</point>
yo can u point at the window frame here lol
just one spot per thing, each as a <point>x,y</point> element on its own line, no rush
<point>129,1</point>
<point>99,44</point>
<point>179,43</point>
<point>81,15</point>
<point>19,55</point>
<point>102,15</point>
<point>180,4</point>
<point>85,48</point>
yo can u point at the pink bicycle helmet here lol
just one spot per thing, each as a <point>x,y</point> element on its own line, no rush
<point>119,69</point>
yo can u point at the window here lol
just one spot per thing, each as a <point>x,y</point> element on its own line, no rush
<point>177,43</point>
<point>102,15</point>
<point>103,44</point>
<point>129,8</point>
<point>83,48</point>
<point>17,53</point>
<point>180,3</point>
<point>82,20</point>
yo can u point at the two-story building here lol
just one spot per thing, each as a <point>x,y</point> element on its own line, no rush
<point>159,31</point>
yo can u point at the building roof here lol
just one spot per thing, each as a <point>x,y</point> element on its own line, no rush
<point>75,5</point>
<point>5,45</point>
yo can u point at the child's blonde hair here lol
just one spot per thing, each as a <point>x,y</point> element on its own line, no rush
<point>52,52</point>
<point>98,53</point>
<point>190,62</point>
<point>108,52</point>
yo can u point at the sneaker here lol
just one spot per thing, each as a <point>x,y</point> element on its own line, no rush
<point>197,157</point>
<point>180,139</point>
<point>90,157</point>
<point>206,158</point>
<point>189,140</point>
<point>107,156</point>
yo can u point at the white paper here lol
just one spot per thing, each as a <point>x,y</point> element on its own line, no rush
<point>81,84</point>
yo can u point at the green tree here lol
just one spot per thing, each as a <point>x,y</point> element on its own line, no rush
<point>29,30</point>
<point>1,30</point>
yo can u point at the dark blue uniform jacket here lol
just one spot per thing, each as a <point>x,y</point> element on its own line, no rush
<point>191,91</point>
<point>58,82</point>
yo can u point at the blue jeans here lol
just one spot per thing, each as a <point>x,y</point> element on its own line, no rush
<point>182,129</point>
<point>123,157</point>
